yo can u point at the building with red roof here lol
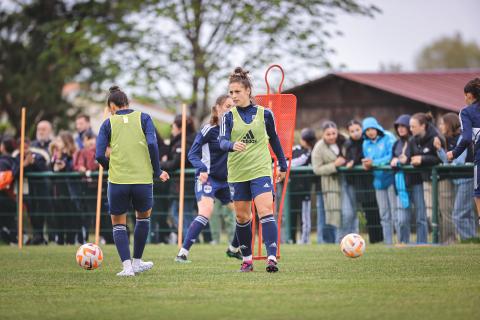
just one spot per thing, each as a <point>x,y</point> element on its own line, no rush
<point>343,96</point>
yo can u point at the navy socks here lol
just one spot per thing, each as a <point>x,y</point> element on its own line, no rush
<point>194,230</point>
<point>120,237</point>
<point>243,232</point>
<point>142,226</point>
<point>270,234</point>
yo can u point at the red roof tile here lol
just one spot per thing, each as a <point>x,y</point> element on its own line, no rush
<point>443,89</point>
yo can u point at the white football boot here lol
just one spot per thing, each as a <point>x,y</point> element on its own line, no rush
<point>127,269</point>
<point>140,266</point>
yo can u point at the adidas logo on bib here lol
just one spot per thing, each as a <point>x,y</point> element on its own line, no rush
<point>249,137</point>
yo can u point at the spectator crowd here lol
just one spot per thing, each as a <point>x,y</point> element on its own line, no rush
<point>392,202</point>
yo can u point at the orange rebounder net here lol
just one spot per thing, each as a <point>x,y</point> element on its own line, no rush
<point>284,107</point>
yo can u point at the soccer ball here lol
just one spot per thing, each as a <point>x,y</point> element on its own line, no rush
<point>352,245</point>
<point>89,256</point>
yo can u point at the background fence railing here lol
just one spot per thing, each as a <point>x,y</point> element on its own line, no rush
<point>60,207</point>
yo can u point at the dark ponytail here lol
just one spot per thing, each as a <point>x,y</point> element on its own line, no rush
<point>117,97</point>
<point>214,113</point>
<point>473,87</point>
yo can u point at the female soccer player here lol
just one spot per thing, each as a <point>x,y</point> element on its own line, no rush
<point>131,167</point>
<point>245,132</point>
<point>470,121</point>
<point>210,163</point>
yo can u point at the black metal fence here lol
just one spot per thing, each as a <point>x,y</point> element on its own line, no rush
<point>60,207</point>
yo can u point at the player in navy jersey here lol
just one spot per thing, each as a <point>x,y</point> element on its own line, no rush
<point>132,165</point>
<point>246,132</point>
<point>210,163</point>
<point>470,121</point>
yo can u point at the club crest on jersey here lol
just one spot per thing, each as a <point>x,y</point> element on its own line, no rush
<point>249,137</point>
<point>207,188</point>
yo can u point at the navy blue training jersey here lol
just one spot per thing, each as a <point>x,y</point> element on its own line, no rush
<point>205,154</point>
<point>470,121</point>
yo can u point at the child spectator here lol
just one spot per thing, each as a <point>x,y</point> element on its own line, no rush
<point>84,162</point>
<point>377,150</point>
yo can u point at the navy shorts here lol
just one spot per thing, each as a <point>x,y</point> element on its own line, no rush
<point>122,197</point>
<point>476,180</point>
<point>213,189</point>
<point>249,190</point>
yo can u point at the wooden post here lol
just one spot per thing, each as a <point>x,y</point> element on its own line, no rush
<point>182,176</point>
<point>99,194</point>
<point>20,183</point>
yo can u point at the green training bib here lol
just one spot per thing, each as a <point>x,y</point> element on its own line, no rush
<point>255,161</point>
<point>129,159</point>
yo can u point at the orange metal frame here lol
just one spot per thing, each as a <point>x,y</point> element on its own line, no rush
<point>280,104</point>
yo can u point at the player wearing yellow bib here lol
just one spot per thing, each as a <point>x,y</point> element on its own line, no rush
<point>246,132</point>
<point>133,163</point>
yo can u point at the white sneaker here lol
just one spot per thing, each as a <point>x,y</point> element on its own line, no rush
<point>142,266</point>
<point>126,273</point>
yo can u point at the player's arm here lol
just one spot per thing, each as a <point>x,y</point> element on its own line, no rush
<point>195,153</point>
<point>462,159</point>
<point>467,136</point>
<point>103,140</point>
<point>225,135</point>
<point>274,140</point>
<point>151,137</point>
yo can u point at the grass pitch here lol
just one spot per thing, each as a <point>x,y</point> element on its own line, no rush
<point>314,282</point>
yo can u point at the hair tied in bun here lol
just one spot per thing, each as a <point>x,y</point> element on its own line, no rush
<point>114,89</point>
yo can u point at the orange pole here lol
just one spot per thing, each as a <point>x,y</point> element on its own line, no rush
<point>99,194</point>
<point>280,209</point>
<point>254,227</point>
<point>182,176</point>
<point>99,205</point>
<point>20,184</point>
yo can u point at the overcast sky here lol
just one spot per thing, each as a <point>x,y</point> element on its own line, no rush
<point>401,31</point>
